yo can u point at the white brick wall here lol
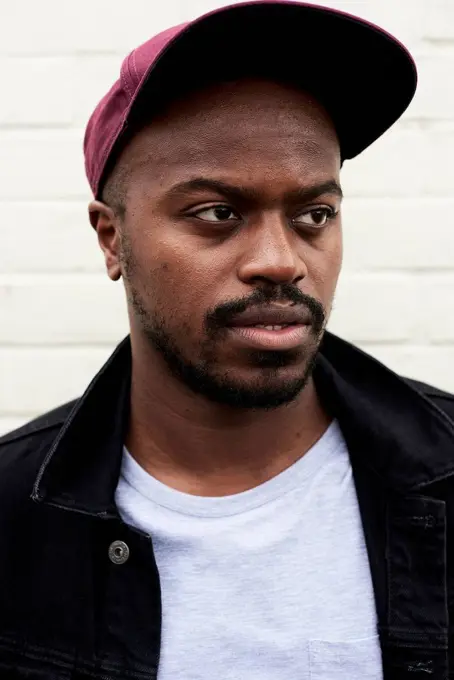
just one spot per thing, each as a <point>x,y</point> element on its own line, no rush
<point>59,314</point>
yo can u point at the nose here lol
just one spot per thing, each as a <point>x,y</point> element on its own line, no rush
<point>273,254</point>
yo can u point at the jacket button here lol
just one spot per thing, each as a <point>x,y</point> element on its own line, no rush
<point>118,552</point>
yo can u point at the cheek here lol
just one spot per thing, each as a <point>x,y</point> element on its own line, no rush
<point>325,267</point>
<point>175,283</point>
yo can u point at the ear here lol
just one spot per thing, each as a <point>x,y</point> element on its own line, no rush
<point>106,223</point>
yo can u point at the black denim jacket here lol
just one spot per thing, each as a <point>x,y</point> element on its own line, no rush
<point>68,612</point>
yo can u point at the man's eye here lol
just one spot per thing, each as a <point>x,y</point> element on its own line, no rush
<point>315,217</point>
<point>217,213</point>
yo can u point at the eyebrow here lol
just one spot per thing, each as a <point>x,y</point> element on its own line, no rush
<point>302,194</point>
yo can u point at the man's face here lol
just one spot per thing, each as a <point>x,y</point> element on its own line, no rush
<point>231,224</point>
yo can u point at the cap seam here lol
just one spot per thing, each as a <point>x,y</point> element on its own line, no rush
<point>131,95</point>
<point>135,66</point>
<point>124,79</point>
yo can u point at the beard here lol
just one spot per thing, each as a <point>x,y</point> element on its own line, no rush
<point>204,376</point>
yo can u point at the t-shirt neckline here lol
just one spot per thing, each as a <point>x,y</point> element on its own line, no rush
<point>222,506</point>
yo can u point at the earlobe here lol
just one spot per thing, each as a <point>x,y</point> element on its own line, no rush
<point>105,222</point>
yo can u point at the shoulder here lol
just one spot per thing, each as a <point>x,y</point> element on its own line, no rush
<point>444,400</point>
<point>23,451</point>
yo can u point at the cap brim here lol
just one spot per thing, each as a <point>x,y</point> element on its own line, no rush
<point>363,76</point>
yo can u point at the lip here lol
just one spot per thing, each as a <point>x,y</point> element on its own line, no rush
<point>273,316</point>
<point>286,338</point>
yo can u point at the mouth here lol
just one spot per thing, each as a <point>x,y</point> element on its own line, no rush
<point>274,327</point>
<point>273,317</point>
<point>271,336</point>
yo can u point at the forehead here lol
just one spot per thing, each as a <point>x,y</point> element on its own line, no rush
<point>237,127</point>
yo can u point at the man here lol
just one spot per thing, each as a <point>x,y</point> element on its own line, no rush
<point>238,494</point>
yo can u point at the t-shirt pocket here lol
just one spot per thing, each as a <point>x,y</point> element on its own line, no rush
<point>355,660</point>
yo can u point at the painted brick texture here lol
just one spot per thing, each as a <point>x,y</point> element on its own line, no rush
<point>60,316</point>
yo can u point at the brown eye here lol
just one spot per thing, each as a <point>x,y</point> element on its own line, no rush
<point>217,213</point>
<point>315,217</point>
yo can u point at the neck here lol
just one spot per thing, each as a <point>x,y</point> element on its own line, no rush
<point>206,449</point>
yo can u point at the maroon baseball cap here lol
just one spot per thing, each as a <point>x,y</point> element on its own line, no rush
<point>363,76</point>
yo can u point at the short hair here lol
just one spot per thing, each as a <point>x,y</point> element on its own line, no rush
<point>115,187</point>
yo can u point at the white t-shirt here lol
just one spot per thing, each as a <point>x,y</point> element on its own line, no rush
<point>270,583</point>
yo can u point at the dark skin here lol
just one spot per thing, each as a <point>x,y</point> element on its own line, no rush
<point>269,227</point>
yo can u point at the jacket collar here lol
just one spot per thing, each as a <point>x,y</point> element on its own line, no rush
<point>390,428</point>
<point>81,469</point>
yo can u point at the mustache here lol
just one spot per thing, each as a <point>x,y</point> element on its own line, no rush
<point>225,314</point>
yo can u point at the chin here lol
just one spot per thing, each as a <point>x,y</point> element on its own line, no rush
<point>243,380</point>
<point>266,395</point>
<point>257,388</point>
